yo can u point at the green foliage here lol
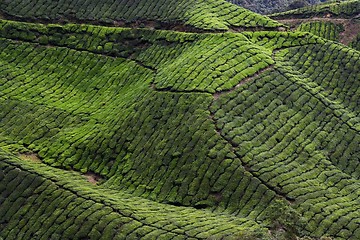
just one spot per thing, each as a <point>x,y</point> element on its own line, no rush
<point>279,40</point>
<point>105,116</point>
<point>180,58</point>
<point>328,30</point>
<point>225,122</point>
<point>59,204</point>
<point>356,43</point>
<point>346,9</point>
<point>204,14</point>
<point>284,217</point>
<point>296,127</point>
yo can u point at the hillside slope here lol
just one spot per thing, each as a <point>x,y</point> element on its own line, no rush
<point>188,135</point>
<point>345,9</point>
<point>39,202</point>
<point>336,21</point>
<point>272,6</point>
<point>194,14</point>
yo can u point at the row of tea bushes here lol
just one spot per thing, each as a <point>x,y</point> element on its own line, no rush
<point>274,41</point>
<point>328,30</point>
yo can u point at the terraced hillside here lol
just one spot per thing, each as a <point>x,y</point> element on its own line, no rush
<point>39,202</point>
<point>199,133</point>
<point>179,15</point>
<point>345,9</point>
<point>336,21</point>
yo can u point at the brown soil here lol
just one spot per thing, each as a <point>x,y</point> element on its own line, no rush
<point>33,157</point>
<point>119,23</point>
<point>92,178</point>
<point>352,29</point>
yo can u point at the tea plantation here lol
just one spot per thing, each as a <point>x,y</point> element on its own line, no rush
<point>345,9</point>
<point>175,120</point>
<point>328,30</point>
<point>194,14</point>
<point>337,21</point>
